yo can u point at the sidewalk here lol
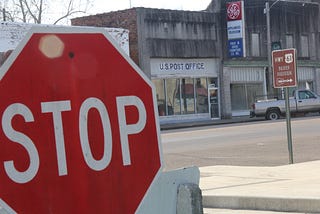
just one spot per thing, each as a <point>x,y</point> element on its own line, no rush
<point>234,211</point>
<point>288,188</point>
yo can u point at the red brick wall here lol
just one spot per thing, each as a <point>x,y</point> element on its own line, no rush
<point>126,19</point>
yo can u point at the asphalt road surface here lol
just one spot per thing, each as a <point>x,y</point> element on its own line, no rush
<point>261,143</point>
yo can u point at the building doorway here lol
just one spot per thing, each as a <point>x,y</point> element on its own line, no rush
<point>213,93</point>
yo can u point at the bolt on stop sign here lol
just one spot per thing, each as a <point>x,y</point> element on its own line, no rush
<point>79,129</point>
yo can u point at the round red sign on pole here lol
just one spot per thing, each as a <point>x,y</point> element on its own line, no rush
<point>234,11</point>
<point>79,130</point>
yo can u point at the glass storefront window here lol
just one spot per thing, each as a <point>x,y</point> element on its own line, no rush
<point>173,95</point>
<point>214,98</point>
<point>238,97</point>
<point>252,91</point>
<point>182,96</point>
<point>243,95</point>
<point>187,95</point>
<point>161,98</point>
<point>201,95</point>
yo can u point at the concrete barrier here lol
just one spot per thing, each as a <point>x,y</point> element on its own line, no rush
<point>174,192</point>
<point>189,199</point>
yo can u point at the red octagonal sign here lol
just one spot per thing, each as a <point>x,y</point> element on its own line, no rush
<point>79,129</point>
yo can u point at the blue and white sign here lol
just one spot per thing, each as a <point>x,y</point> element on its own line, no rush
<point>235,29</point>
<point>235,47</point>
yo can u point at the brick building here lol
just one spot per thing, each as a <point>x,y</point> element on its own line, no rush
<point>293,24</point>
<point>180,51</point>
<point>186,54</point>
<point>12,33</point>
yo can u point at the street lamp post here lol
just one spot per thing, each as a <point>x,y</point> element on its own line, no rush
<point>267,12</point>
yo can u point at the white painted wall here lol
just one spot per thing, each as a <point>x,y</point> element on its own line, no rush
<point>11,33</point>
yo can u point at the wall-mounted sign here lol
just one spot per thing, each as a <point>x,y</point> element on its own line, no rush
<point>235,48</point>
<point>177,67</point>
<point>235,29</point>
<point>275,46</point>
<point>234,11</point>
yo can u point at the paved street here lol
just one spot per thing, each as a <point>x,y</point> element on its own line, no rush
<point>251,189</point>
<point>262,143</point>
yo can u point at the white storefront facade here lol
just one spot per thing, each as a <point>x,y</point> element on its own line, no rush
<point>187,89</point>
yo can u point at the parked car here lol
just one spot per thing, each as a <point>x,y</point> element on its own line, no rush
<point>303,101</point>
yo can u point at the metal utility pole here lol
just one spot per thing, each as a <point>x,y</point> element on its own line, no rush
<point>267,12</point>
<point>270,82</point>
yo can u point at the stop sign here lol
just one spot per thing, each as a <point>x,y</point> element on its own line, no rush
<point>79,129</point>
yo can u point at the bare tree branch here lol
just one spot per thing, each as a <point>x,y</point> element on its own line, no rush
<point>70,11</point>
<point>40,11</point>
<point>23,12</point>
<point>67,15</point>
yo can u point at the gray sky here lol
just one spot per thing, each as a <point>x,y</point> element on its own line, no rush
<point>102,5</point>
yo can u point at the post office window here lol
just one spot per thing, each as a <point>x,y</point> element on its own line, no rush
<point>289,41</point>
<point>255,44</point>
<point>304,46</point>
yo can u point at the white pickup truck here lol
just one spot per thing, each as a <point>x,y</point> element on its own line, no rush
<point>303,101</point>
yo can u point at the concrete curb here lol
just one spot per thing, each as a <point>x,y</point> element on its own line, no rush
<point>310,205</point>
<point>192,124</point>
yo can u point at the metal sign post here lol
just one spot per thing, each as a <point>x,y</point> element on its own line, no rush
<point>288,119</point>
<point>285,76</point>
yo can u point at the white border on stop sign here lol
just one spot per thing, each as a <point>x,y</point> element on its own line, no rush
<point>88,30</point>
